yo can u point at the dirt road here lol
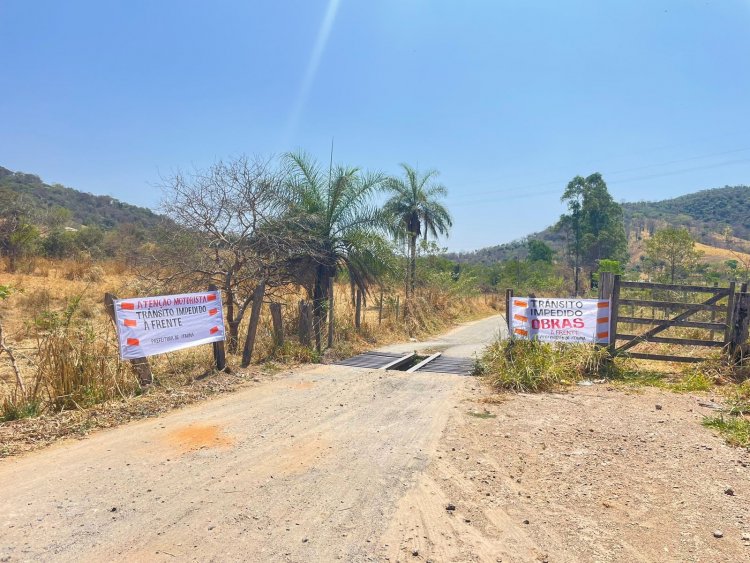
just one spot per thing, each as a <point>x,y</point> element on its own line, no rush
<point>465,341</point>
<point>332,463</point>
<point>599,474</point>
<point>306,468</point>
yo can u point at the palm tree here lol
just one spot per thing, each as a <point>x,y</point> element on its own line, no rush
<point>414,209</point>
<point>341,230</point>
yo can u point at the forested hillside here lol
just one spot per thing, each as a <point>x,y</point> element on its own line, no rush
<point>84,209</point>
<point>703,213</point>
<point>706,214</point>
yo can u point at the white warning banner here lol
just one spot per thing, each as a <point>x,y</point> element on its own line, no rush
<point>560,320</point>
<point>154,325</point>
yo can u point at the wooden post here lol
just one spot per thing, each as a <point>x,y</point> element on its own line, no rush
<point>397,299</point>
<point>509,311</point>
<point>305,323</point>
<point>380,307</point>
<point>730,314</point>
<point>606,282</point>
<point>741,325</point>
<point>252,329</point>
<point>358,311</point>
<point>278,324</point>
<point>140,365</point>
<point>220,356</point>
<point>330,312</point>
<point>713,317</point>
<point>613,312</point>
<point>317,311</point>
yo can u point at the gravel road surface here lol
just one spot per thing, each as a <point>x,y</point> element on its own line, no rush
<point>330,463</point>
<point>466,341</point>
<point>306,468</point>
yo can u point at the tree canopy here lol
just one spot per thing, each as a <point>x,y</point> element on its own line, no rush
<point>540,251</point>
<point>413,209</point>
<point>594,223</point>
<point>671,254</point>
<point>332,211</point>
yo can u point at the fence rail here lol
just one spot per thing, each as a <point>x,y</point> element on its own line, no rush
<point>730,318</point>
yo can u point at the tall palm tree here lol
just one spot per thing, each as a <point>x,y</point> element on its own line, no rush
<point>332,212</point>
<point>414,209</point>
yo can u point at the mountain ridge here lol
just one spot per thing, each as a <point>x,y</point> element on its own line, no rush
<point>85,209</point>
<point>705,213</point>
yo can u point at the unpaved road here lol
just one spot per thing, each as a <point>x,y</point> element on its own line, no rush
<point>595,475</point>
<point>465,341</point>
<point>333,463</point>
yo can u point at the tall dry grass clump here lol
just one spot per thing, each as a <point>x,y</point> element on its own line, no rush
<point>533,366</point>
<point>75,365</point>
<point>78,364</point>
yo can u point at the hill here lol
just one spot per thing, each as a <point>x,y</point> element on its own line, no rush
<point>85,209</point>
<point>706,214</point>
<point>703,213</point>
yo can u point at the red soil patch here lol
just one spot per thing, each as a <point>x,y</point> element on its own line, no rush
<point>193,438</point>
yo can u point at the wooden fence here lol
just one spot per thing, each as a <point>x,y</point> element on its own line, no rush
<point>709,312</point>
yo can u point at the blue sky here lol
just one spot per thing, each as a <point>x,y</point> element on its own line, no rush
<point>509,100</point>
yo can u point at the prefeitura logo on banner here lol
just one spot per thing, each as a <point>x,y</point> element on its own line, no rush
<point>560,320</point>
<point>154,325</point>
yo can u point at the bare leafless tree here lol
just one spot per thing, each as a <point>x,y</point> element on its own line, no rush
<point>226,229</point>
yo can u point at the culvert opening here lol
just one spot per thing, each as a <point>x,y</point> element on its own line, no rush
<point>410,363</point>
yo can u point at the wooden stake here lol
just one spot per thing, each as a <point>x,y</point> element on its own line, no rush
<point>509,311</point>
<point>358,311</point>
<point>258,294</point>
<point>220,356</point>
<point>140,365</point>
<point>330,312</point>
<point>305,323</point>
<point>741,327</point>
<point>278,324</point>
<point>380,307</point>
<point>730,314</point>
<point>613,313</point>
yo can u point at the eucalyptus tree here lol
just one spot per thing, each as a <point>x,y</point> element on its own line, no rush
<point>332,211</point>
<point>594,224</point>
<point>414,208</point>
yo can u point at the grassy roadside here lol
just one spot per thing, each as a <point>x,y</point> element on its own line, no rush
<point>75,382</point>
<point>734,423</point>
<point>66,350</point>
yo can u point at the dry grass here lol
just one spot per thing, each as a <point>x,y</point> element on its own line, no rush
<point>716,255</point>
<point>56,323</point>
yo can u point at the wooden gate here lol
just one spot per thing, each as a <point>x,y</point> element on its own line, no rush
<point>716,314</point>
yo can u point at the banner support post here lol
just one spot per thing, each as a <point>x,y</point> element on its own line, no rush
<point>140,365</point>
<point>220,356</point>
